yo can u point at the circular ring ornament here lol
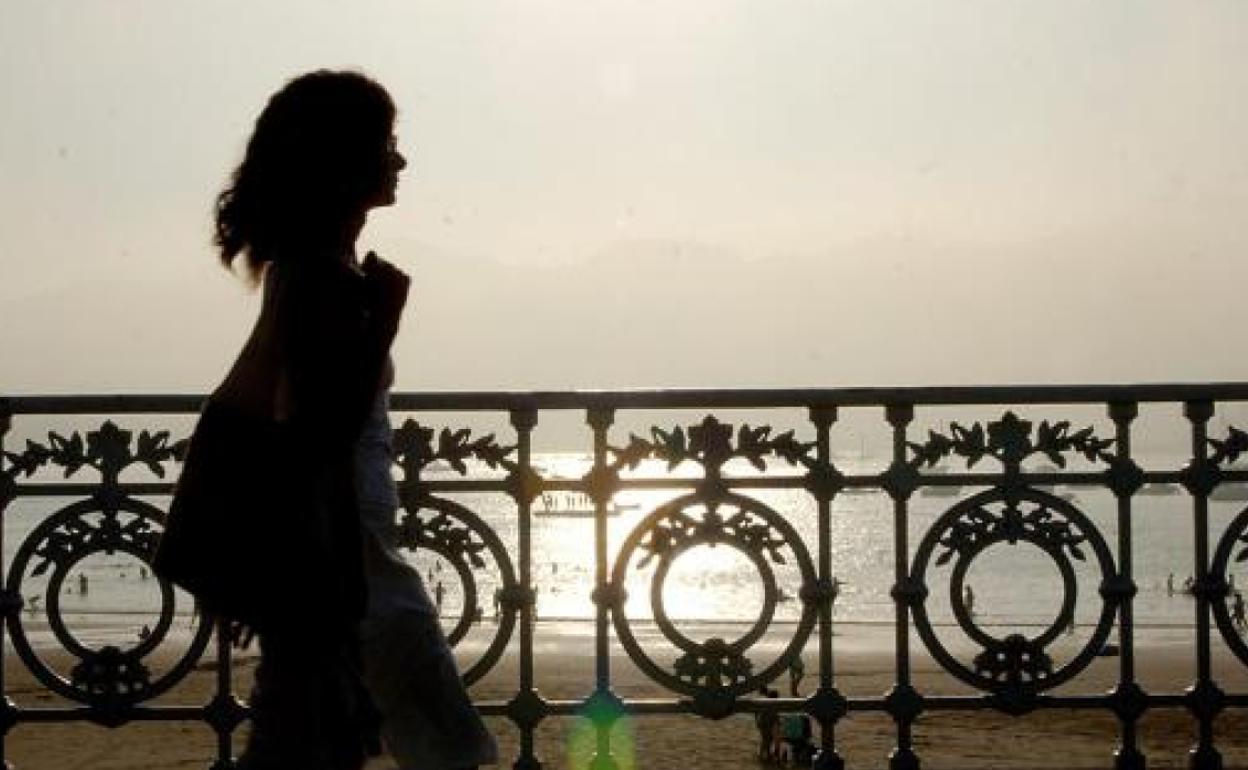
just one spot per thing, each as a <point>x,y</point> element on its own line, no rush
<point>459,536</point>
<point>1015,664</point>
<point>716,668</point>
<point>107,676</point>
<point>1236,535</point>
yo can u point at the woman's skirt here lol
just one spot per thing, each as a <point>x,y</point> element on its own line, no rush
<point>428,721</point>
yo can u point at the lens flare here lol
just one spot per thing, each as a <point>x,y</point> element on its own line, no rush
<point>603,718</point>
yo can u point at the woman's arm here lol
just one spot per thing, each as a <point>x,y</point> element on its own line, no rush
<point>337,330</point>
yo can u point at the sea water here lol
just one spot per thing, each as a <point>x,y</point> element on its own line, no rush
<point>1013,585</point>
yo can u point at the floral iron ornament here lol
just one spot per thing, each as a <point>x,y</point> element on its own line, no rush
<point>109,450</point>
<point>1232,548</point>
<point>110,679</point>
<point>453,531</point>
<point>715,671</point>
<point>711,444</point>
<point>1010,441</point>
<point>417,446</point>
<point>1015,667</point>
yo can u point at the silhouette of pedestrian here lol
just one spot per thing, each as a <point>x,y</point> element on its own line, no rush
<point>797,672</point>
<point>968,601</point>
<point>1238,612</point>
<point>1170,584</point>
<point>323,156</point>
<point>438,593</point>
<point>83,584</point>
<point>766,719</point>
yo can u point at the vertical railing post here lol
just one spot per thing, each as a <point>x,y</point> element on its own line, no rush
<point>1204,699</point>
<point>528,708</point>
<point>1129,699</point>
<point>903,702</point>
<point>604,707</point>
<point>10,602</point>
<point>827,705</point>
<point>225,712</point>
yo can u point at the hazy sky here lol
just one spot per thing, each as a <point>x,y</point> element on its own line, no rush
<point>611,194</point>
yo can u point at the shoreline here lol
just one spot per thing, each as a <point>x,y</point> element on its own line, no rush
<point>564,669</point>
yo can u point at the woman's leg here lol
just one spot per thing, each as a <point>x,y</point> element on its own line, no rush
<point>428,720</point>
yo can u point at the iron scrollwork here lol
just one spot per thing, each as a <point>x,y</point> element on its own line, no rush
<point>1016,665</point>
<point>711,444</point>
<point>1232,548</point>
<point>109,450</point>
<point>113,677</point>
<point>453,531</point>
<point>1010,441</point>
<point>715,670</point>
<point>109,676</point>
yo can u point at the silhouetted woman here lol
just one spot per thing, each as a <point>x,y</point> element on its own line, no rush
<point>322,155</point>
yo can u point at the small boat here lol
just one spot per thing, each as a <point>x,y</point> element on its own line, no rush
<point>1159,489</point>
<point>939,491</point>
<point>576,505</point>
<point>858,491</point>
<point>1050,488</point>
<point>1234,491</point>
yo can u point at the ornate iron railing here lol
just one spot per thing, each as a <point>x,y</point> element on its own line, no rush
<point>707,503</point>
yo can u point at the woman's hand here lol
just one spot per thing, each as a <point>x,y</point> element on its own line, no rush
<point>387,288</point>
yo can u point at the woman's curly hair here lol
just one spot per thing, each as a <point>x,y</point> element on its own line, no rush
<point>315,154</point>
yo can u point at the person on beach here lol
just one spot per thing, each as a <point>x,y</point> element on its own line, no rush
<point>795,732</point>
<point>968,601</point>
<point>797,672</point>
<point>766,719</point>
<point>1238,612</point>
<point>323,153</point>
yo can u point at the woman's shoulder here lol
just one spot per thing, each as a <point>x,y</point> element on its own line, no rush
<point>325,279</point>
<point>326,270</point>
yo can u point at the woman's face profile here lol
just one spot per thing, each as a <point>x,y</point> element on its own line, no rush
<point>387,185</point>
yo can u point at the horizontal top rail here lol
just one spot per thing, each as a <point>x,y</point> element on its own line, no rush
<point>680,398</point>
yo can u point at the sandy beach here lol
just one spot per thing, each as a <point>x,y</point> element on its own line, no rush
<point>564,670</point>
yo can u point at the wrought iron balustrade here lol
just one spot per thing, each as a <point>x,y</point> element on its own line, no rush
<point>707,501</point>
